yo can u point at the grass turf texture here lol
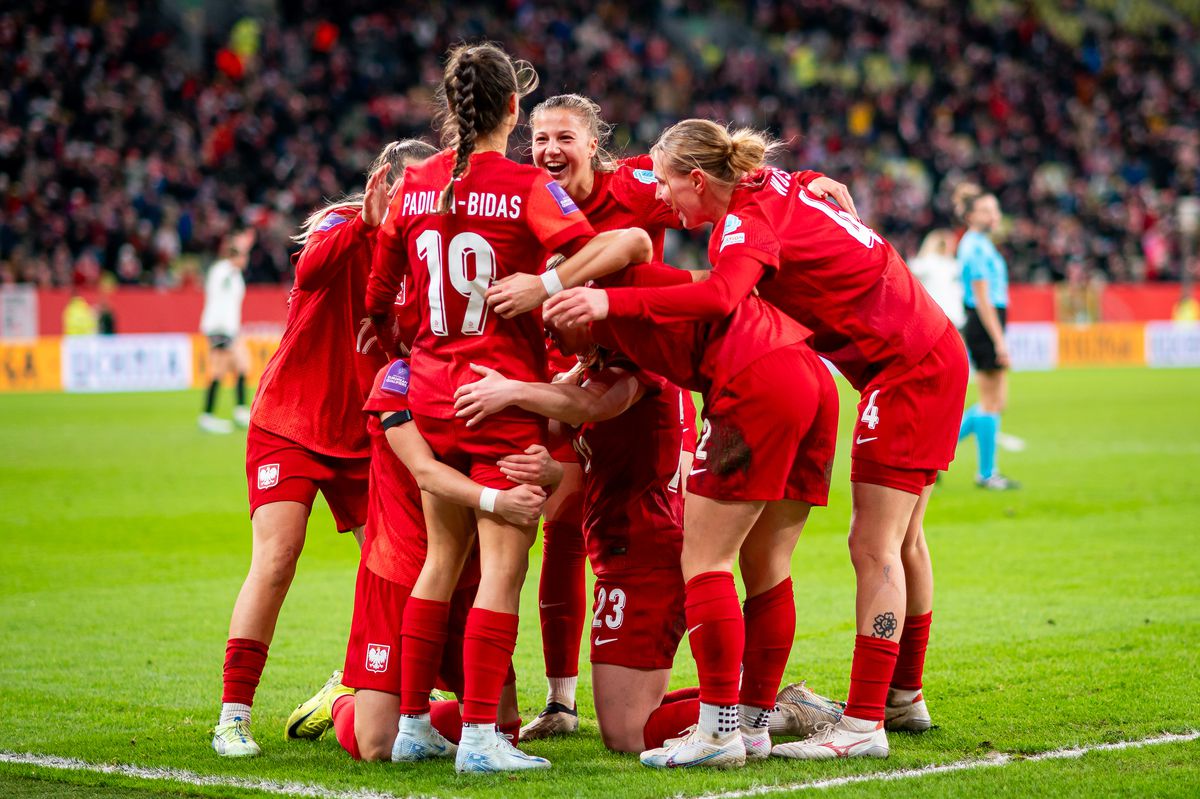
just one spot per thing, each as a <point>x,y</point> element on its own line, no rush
<point>1065,612</point>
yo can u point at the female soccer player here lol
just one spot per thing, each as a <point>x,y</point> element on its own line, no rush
<point>762,462</point>
<point>629,443</point>
<point>464,218</point>
<point>569,141</point>
<point>871,318</point>
<point>985,297</point>
<point>306,433</point>
<point>363,703</point>
<point>221,322</point>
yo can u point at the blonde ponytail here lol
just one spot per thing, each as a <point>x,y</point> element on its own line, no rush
<point>725,156</point>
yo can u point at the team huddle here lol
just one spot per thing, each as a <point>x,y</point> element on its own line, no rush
<point>475,344</point>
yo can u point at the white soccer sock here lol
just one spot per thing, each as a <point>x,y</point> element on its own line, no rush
<point>719,719</point>
<point>562,690</point>
<point>232,711</point>
<point>410,723</point>
<point>754,718</point>
<point>476,734</point>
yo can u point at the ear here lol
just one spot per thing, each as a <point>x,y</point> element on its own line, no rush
<point>699,180</point>
<point>514,103</point>
<point>593,146</point>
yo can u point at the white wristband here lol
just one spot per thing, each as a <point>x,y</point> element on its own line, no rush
<point>552,282</point>
<point>487,499</point>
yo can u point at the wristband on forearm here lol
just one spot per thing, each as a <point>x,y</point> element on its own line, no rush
<point>487,499</point>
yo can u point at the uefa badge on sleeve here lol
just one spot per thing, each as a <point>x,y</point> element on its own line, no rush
<point>268,475</point>
<point>377,657</point>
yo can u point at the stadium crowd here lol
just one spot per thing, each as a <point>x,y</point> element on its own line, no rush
<point>128,146</point>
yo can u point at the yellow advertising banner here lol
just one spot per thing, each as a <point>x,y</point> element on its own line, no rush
<point>1102,345</point>
<point>258,349</point>
<point>34,365</point>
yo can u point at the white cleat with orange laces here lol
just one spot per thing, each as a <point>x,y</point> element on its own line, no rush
<point>850,737</point>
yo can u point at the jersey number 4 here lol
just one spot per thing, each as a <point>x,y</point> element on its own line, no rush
<point>463,248</point>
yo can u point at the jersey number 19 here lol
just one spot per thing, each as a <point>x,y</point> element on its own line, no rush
<point>462,248</point>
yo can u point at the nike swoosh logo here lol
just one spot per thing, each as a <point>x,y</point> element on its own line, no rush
<point>545,605</point>
<point>861,440</point>
<point>696,471</point>
<point>693,629</point>
<point>603,641</point>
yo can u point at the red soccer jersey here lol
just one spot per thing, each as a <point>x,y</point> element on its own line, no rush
<point>691,354</point>
<point>625,198</point>
<point>508,218</point>
<point>394,538</point>
<point>824,268</point>
<point>631,502</point>
<point>314,385</point>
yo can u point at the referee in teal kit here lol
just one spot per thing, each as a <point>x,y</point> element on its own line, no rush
<point>985,297</point>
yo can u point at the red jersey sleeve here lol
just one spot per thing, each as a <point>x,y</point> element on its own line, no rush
<point>389,262</point>
<point>552,216</point>
<point>390,391</point>
<point>806,176</point>
<point>337,239</point>
<point>730,282</point>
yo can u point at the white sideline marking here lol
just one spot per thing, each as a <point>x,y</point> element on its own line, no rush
<point>192,778</point>
<point>998,759</point>
<point>319,792</point>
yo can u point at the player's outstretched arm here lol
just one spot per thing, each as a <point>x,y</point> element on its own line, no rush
<point>575,405</point>
<point>520,505</point>
<point>604,254</point>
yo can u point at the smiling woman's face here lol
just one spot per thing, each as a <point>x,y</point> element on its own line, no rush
<point>563,146</point>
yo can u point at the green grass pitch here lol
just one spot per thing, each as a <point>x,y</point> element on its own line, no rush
<point>1067,613</point>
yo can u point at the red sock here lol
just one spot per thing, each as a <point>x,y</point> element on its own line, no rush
<point>670,720</point>
<point>488,644</point>
<point>512,730</point>
<point>446,719</point>
<point>244,662</point>
<point>562,595</point>
<point>680,694</point>
<point>910,664</point>
<point>770,630</point>
<point>870,673</point>
<point>717,634</point>
<point>343,724</point>
<point>424,637</point>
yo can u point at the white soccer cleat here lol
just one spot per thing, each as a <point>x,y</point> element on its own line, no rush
<point>1010,443</point>
<point>556,719</point>
<point>241,416</point>
<point>233,739</point>
<point>416,739</point>
<point>850,737</point>
<point>997,482</point>
<point>757,742</point>
<point>906,712</point>
<point>698,749</point>
<point>487,751</point>
<point>800,711</point>
<point>211,424</point>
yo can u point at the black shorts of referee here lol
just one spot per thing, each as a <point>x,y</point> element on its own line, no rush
<point>979,343</point>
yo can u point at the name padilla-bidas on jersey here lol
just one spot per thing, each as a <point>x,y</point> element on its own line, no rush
<point>476,203</point>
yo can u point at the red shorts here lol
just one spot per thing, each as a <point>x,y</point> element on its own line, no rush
<point>373,651</point>
<point>908,418</point>
<point>280,470</point>
<point>637,617</point>
<point>687,413</point>
<point>770,432</point>
<point>474,451</point>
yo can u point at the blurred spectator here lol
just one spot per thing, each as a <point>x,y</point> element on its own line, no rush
<point>79,319</point>
<point>938,270</point>
<point>130,144</point>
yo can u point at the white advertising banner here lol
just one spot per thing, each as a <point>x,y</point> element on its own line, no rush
<point>18,312</point>
<point>1032,346</point>
<point>127,363</point>
<point>1172,344</point>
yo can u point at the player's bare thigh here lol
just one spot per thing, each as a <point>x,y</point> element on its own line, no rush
<point>624,699</point>
<point>713,532</point>
<point>568,491</point>
<point>766,554</point>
